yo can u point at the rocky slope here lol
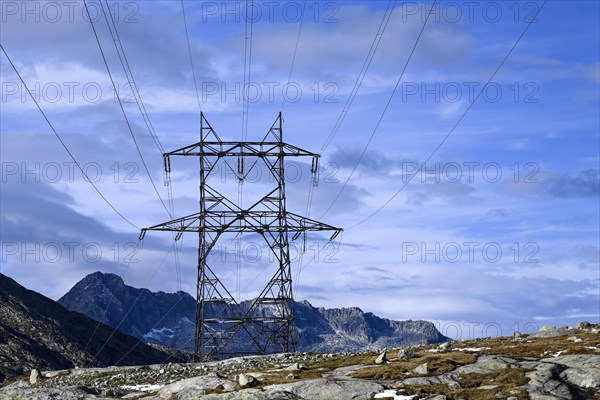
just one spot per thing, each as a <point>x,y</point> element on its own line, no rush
<point>160,318</point>
<point>167,319</point>
<point>555,363</point>
<point>37,332</point>
<point>351,329</point>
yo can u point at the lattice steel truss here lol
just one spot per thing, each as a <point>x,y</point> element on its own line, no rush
<point>267,324</point>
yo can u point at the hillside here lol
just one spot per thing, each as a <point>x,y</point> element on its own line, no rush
<point>37,332</point>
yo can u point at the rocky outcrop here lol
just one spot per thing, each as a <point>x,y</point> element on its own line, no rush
<point>38,333</point>
<point>351,329</point>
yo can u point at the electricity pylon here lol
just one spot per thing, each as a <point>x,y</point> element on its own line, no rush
<point>223,325</point>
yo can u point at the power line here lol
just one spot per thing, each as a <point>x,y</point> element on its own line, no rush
<point>383,113</point>
<point>245,115</point>
<point>123,109</point>
<point>187,38</point>
<point>457,122</point>
<point>142,108</point>
<point>357,84</point>
<point>349,101</point>
<point>365,67</point>
<point>127,69</point>
<point>294,56</point>
<point>63,143</point>
<point>248,67</point>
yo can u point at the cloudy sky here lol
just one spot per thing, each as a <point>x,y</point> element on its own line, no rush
<point>475,206</point>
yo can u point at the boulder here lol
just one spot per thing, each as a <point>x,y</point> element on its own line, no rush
<point>381,359</point>
<point>582,377</point>
<point>198,385</point>
<point>486,364</point>
<point>444,347</point>
<point>247,380</point>
<point>584,325</point>
<point>297,367</point>
<point>543,383</point>
<point>34,377</point>
<point>421,369</point>
<point>406,354</point>
<point>552,331</point>
<point>324,389</point>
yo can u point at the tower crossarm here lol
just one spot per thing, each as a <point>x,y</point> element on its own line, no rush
<point>298,223</point>
<point>251,221</point>
<point>236,149</point>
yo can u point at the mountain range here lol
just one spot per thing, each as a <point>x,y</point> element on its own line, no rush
<point>36,332</point>
<point>168,319</point>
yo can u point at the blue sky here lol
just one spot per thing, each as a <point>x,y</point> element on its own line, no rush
<point>499,229</point>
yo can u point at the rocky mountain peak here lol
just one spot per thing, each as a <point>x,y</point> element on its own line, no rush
<point>169,318</point>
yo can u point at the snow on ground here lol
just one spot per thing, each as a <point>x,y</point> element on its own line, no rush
<point>391,394</point>
<point>143,388</point>
<point>157,334</point>
<point>473,349</point>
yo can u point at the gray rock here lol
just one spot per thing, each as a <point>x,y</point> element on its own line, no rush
<point>487,387</point>
<point>486,364</point>
<point>250,394</point>
<point>54,374</point>
<point>197,385</point>
<point>324,389</point>
<point>584,325</point>
<point>453,385</point>
<point>421,369</point>
<point>545,384</point>
<point>576,360</point>
<point>381,359</point>
<point>444,379</point>
<point>34,377</point>
<point>428,380</point>
<point>68,393</point>
<point>297,367</point>
<point>551,331</point>
<point>344,372</point>
<point>582,377</point>
<point>406,354</point>
<point>247,380</point>
<point>444,347</point>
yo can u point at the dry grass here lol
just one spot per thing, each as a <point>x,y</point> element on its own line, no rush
<point>437,364</point>
<point>508,381</point>
<point>316,369</point>
<point>538,348</point>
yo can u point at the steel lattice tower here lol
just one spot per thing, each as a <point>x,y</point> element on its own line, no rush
<point>266,325</point>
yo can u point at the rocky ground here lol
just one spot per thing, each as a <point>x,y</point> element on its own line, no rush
<point>555,363</point>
